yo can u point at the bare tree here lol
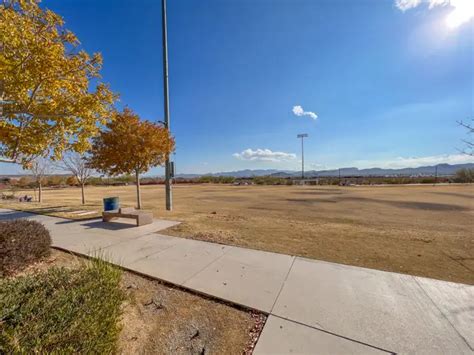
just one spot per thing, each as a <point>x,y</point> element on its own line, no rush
<point>40,168</point>
<point>76,164</point>
<point>469,149</point>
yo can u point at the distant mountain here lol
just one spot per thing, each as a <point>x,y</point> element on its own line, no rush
<point>253,173</point>
<point>247,173</point>
<point>443,169</point>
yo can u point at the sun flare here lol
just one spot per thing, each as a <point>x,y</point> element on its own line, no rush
<point>463,11</point>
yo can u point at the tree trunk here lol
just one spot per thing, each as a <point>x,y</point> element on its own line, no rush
<point>40,192</point>
<point>83,195</point>
<point>139,198</point>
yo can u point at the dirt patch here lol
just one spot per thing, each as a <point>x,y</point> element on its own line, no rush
<point>166,320</point>
<point>161,319</point>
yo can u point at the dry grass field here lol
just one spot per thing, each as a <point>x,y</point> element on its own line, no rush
<point>418,230</point>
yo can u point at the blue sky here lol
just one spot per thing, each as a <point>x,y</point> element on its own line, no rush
<point>387,80</point>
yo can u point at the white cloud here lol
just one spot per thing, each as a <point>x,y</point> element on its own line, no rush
<point>264,155</point>
<point>298,111</point>
<point>407,4</point>
<point>434,3</point>
<point>413,162</point>
<point>462,10</point>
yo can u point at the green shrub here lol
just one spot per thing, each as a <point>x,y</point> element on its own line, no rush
<point>61,311</point>
<point>216,179</point>
<point>429,180</point>
<point>22,242</point>
<point>269,180</point>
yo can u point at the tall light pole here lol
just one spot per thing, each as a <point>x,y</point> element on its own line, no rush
<point>302,136</point>
<point>169,195</point>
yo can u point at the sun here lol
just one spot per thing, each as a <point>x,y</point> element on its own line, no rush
<point>463,11</point>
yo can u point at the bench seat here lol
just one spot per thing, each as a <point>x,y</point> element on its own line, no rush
<point>140,217</point>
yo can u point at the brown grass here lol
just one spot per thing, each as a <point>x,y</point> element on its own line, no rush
<point>159,319</point>
<point>419,230</point>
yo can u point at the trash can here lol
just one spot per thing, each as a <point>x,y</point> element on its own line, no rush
<point>111,203</point>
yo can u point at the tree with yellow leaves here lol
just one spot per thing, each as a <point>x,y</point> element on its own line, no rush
<point>129,145</point>
<point>46,106</point>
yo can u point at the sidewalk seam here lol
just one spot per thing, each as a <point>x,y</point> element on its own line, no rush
<point>282,285</point>
<point>334,334</point>
<point>442,313</point>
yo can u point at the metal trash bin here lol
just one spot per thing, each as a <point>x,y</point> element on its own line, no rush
<point>111,203</point>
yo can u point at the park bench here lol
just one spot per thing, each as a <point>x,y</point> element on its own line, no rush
<point>141,217</point>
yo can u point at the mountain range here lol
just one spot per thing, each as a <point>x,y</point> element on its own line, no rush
<point>440,169</point>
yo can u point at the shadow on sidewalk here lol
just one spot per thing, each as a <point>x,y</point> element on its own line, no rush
<point>99,224</point>
<point>4,216</point>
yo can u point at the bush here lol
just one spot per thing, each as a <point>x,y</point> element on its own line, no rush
<point>8,196</point>
<point>55,180</point>
<point>22,242</point>
<point>269,180</point>
<point>62,311</point>
<point>72,181</point>
<point>464,175</point>
<point>216,179</point>
<point>26,182</point>
<point>429,180</point>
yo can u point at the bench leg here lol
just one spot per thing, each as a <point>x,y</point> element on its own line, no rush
<point>144,219</point>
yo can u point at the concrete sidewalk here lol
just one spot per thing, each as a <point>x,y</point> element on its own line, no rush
<point>313,306</point>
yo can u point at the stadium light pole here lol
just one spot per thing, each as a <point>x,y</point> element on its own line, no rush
<point>169,194</point>
<point>302,136</point>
